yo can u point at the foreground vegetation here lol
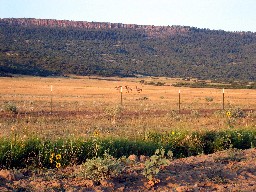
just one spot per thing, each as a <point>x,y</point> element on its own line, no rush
<point>17,152</point>
<point>232,169</point>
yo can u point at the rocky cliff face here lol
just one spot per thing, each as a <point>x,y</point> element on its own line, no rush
<point>151,30</point>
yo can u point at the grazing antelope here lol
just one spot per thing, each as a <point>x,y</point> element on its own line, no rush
<point>118,87</point>
<point>138,89</point>
<point>128,89</point>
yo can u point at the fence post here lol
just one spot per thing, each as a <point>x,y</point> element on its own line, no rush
<point>121,94</point>
<point>51,99</point>
<point>179,101</point>
<point>223,99</point>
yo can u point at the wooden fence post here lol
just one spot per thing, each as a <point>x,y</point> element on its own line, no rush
<point>223,99</point>
<point>179,100</point>
<point>121,92</point>
<point>51,99</point>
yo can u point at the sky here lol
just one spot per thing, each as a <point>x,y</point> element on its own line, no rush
<point>228,15</point>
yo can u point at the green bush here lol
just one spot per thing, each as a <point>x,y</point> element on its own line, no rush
<point>154,164</point>
<point>101,168</point>
<point>10,107</point>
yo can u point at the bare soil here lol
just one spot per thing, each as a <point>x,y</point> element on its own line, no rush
<point>230,170</point>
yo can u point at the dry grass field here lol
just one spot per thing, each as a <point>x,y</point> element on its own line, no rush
<point>82,105</point>
<point>37,110</point>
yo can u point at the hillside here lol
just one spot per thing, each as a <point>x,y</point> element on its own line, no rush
<point>57,47</point>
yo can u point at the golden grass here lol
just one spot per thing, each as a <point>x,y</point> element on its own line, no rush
<point>82,105</point>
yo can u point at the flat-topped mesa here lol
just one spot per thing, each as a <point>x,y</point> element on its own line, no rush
<point>151,30</point>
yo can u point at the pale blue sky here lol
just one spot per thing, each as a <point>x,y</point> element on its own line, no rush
<point>229,15</point>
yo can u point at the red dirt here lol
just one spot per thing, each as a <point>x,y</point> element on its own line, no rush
<point>231,170</point>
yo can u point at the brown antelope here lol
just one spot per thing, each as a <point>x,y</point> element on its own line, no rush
<point>138,89</point>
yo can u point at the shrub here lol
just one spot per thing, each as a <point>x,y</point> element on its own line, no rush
<point>209,99</point>
<point>238,113</point>
<point>100,168</point>
<point>154,164</point>
<point>242,139</point>
<point>10,107</point>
